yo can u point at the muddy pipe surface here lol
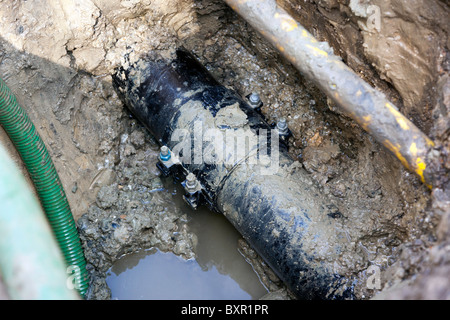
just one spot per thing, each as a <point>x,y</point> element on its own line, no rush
<point>356,98</point>
<point>257,186</point>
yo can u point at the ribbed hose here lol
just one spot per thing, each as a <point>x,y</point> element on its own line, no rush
<point>48,186</point>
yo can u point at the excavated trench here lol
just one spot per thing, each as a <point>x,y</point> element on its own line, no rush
<point>396,230</point>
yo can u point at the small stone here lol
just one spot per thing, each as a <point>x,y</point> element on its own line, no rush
<point>107,196</point>
<point>137,138</point>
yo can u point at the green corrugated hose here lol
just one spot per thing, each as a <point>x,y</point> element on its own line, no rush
<point>48,186</point>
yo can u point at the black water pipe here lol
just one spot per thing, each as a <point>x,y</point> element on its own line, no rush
<point>261,191</point>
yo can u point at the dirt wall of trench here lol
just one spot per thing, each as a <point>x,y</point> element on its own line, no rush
<point>57,57</point>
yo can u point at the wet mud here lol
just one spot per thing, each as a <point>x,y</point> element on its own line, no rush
<point>106,158</point>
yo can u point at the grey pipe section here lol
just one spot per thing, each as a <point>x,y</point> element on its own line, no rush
<point>31,264</point>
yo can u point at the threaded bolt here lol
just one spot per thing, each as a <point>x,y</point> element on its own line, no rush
<point>282,126</point>
<point>191,182</point>
<point>164,153</point>
<point>254,100</point>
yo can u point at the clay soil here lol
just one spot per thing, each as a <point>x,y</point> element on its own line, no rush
<point>58,57</point>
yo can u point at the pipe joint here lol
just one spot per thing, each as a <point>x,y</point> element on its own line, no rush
<point>194,195</point>
<point>169,164</point>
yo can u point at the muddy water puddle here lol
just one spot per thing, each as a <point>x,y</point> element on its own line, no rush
<point>219,270</point>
